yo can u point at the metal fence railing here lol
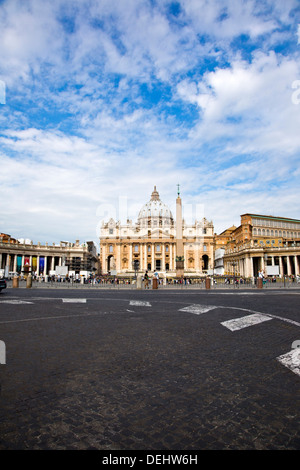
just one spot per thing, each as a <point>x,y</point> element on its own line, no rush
<point>216,283</point>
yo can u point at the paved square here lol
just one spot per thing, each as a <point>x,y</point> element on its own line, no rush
<point>149,370</point>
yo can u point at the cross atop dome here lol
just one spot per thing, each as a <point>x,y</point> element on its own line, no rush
<point>155,195</point>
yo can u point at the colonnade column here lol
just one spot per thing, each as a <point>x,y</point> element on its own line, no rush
<point>15,263</point>
<point>296,265</point>
<point>38,265</point>
<point>145,256</point>
<point>118,264</point>
<point>152,257</point>
<point>45,265</point>
<point>288,263</point>
<point>197,267</point>
<point>174,256</point>
<point>130,246</point>
<point>281,266</point>
<point>103,258</point>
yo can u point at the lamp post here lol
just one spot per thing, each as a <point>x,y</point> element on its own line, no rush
<point>136,265</point>
<point>266,263</point>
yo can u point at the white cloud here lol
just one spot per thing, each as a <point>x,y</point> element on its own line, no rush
<point>106,99</point>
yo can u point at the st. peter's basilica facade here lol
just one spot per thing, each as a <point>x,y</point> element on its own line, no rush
<point>157,243</point>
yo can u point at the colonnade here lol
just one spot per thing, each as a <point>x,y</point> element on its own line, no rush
<point>21,263</point>
<point>248,266</point>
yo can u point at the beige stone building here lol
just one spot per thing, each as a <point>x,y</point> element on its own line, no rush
<point>24,257</point>
<point>157,242</point>
<point>264,243</point>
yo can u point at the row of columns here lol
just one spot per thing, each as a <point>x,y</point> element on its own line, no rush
<point>245,266</point>
<point>143,256</point>
<point>11,262</point>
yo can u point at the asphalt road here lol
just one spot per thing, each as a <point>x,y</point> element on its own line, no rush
<point>149,370</point>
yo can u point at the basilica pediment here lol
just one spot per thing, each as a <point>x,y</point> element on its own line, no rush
<point>157,233</point>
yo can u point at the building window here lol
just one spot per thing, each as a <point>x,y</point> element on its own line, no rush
<point>136,248</point>
<point>111,248</point>
<point>167,249</point>
<point>111,231</point>
<point>158,248</point>
<point>149,248</point>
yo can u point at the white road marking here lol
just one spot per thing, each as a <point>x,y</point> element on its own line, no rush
<point>244,322</point>
<point>287,320</point>
<point>140,303</point>
<point>15,302</point>
<point>53,317</point>
<point>291,360</point>
<point>197,309</point>
<point>74,301</point>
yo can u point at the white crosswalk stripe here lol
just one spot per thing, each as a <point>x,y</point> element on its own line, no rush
<point>291,360</point>
<point>15,302</point>
<point>140,303</point>
<point>197,309</point>
<point>244,322</point>
<point>74,301</point>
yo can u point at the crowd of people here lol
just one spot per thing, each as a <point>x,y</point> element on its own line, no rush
<point>147,280</point>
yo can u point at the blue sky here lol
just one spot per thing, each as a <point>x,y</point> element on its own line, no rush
<point>102,100</point>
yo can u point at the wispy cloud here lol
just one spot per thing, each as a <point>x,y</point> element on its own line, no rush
<point>106,99</point>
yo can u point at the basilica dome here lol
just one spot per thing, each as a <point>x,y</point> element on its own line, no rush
<point>155,211</point>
